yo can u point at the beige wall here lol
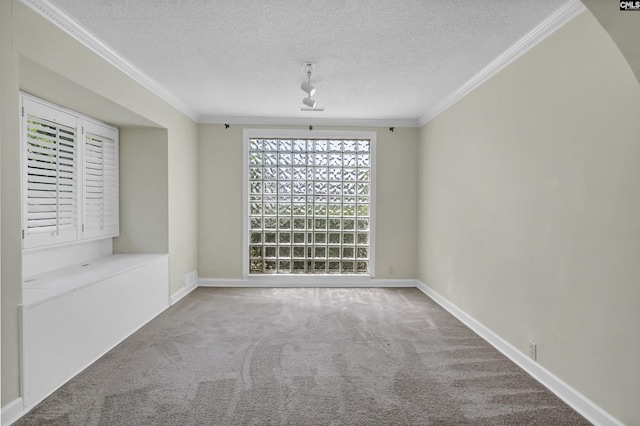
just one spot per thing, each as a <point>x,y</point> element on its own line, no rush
<point>39,58</point>
<point>220,201</point>
<point>622,26</point>
<point>11,279</point>
<point>144,180</point>
<point>529,206</point>
<point>183,200</point>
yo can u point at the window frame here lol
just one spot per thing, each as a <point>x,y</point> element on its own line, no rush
<point>304,134</point>
<point>47,111</point>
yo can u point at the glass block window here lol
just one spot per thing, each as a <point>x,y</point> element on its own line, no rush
<point>309,206</point>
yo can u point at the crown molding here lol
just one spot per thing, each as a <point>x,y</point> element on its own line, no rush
<point>302,121</point>
<point>69,25</point>
<point>562,16</point>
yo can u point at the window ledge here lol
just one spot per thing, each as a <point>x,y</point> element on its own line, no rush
<point>40,288</point>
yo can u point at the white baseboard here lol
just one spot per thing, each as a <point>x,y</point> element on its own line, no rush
<point>583,405</point>
<point>305,282</point>
<point>572,397</point>
<point>12,411</point>
<point>175,297</point>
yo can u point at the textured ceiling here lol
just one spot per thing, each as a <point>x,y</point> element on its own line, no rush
<point>377,60</point>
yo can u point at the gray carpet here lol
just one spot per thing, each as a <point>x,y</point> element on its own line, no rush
<point>226,356</point>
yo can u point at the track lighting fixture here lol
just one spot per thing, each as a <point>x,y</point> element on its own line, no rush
<point>310,104</point>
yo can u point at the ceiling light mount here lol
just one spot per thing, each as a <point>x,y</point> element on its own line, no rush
<point>306,85</point>
<point>309,66</point>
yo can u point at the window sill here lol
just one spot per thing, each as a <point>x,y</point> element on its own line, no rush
<point>41,288</point>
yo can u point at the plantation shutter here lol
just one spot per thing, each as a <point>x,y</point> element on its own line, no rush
<point>50,186</point>
<point>100,181</point>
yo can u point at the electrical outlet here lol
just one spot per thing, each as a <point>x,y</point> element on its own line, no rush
<point>391,270</point>
<point>533,350</point>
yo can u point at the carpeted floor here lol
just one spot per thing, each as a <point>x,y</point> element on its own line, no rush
<point>225,356</point>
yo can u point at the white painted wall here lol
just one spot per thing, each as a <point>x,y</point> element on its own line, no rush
<point>529,206</point>
<point>220,200</point>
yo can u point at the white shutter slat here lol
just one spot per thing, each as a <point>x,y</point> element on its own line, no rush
<point>35,194</point>
<point>43,160</point>
<point>41,179</point>
<point>45,151</point>
<point>42,226</point>
<point>36,216</point>
<point>42,186</point>
<point>66,172</point>
<point>34,169</point>
<point>42,208</point>
<point>43,127</point>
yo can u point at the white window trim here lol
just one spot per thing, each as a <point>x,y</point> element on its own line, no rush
<point>306,134</point>
<point>81,119</point>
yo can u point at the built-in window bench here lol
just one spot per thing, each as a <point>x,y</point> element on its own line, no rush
<point>72,316</point>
